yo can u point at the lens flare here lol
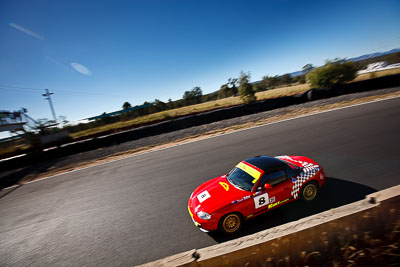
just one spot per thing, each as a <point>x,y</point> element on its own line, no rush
<point>81,69</point>
<point>26,31</point>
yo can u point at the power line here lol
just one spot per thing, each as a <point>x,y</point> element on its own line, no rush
<point>29,90</point>
<point>19,87</point>
<point>65,92</point>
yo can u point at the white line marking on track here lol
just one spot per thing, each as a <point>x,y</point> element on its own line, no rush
<point>206,138</point>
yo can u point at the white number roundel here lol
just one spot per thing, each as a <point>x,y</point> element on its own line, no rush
<point>203,196</point>
<point>261,200</point>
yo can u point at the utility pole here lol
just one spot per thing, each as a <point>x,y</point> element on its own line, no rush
<point>47,96</point>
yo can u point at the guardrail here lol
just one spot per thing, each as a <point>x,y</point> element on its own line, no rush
<point>308,237</point>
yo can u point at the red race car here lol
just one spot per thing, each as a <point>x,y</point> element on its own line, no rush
<point>256,185</point>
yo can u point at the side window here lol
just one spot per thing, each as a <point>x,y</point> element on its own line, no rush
<point>276,177</point>
<point>292,171</point>
<point>272,178</point>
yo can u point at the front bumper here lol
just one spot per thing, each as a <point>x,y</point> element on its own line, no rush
<point>203,225</point>
<point>196,223</point>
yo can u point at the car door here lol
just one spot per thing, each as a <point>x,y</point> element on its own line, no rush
<point>277,194</point>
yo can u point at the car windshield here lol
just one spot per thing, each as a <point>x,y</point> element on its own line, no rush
<point>241,179</point>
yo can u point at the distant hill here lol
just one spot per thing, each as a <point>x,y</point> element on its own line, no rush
<point>361,62</point>
<point>377,54</point>
<point>356,59</point>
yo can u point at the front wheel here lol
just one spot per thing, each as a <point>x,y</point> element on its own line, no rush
<point>230,223</point>
<point>309,192</point>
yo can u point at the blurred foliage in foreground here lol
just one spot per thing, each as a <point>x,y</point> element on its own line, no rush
<point>332,73</point>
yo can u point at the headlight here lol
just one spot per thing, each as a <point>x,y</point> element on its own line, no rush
<point>203,215</point>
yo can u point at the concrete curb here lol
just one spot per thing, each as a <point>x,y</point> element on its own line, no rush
<point>182,259</point>
<point>240,248</point>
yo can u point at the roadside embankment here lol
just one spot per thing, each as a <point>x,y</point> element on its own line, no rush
<point>363,233</point>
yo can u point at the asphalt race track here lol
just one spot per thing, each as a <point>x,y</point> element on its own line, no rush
<point>134,210</point>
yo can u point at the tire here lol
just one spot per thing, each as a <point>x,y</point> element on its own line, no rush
<point>309,192</point>
<point>231,223</point>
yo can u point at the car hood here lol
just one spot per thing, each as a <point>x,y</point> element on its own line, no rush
<point>215,194</point>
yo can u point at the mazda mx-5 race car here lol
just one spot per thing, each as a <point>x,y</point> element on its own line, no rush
<point>254,186</point>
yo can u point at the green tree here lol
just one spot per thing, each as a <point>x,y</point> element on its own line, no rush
<point>245,88</point>
<point>104,120</point>
<point>158,105</point>
<point>232,83</point>
<point>126,105</point>
<point>228,89</point>
<point>193,96</point>
<point>268,82</point>
<point>332,73</point>
<point>257,87</point>
<point>223,91</point>
<point>302,79</point>
<point>307,68</point>
<point>286,79</point>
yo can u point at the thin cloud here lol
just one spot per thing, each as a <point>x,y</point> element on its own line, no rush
<point>81,69</point>
<point>26,31</point>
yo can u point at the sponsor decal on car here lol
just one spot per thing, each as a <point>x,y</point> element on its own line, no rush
<point>224,185</point>
<point>250,170</point>
<point>308,171</point>
<point>277,203</point>
<point>240,200</point>
<point>191,215</point>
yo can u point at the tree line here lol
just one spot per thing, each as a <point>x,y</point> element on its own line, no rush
<point>331,74</point>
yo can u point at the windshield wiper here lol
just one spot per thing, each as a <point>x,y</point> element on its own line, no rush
<point>242,187</point>
<point>236,185</point>
<point>230,180</point>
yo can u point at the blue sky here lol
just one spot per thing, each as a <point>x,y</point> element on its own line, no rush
<point>95,55</point>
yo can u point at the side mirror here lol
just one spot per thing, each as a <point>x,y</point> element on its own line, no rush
<point>267,186</point>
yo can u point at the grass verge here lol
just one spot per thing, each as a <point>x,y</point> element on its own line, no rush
<point>376,74</point>
<point>183,111</point>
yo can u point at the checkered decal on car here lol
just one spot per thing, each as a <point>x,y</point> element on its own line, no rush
<point>309,170</point>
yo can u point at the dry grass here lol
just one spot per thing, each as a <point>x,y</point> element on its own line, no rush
<point>283,91</point>
<point>376,74</point>
<point>225,102</point>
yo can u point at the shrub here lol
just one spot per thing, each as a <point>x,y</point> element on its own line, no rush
<point>332,73</point>
<point>246,89</point>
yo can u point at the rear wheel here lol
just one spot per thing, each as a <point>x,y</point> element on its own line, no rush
<point>230,223</point>
<point>309,192</point>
